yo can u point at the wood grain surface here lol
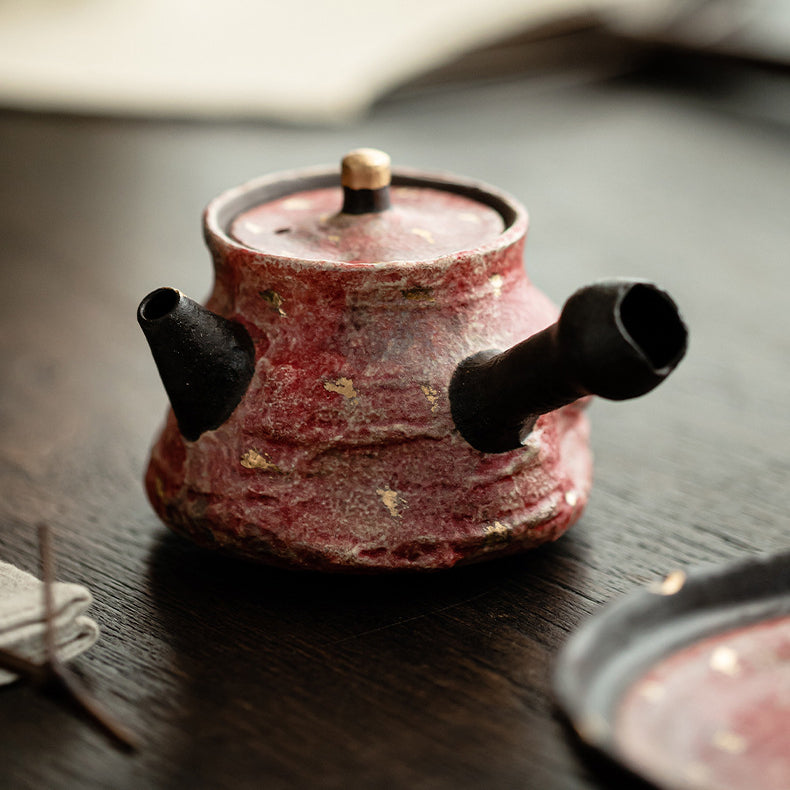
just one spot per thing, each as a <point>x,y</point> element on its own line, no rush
<point>238,676</point>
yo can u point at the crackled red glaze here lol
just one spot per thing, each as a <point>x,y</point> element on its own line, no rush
<point>343,454</point>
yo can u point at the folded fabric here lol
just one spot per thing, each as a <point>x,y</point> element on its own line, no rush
<point>23,623</point>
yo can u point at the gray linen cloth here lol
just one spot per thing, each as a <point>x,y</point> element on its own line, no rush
<point>22,621</point>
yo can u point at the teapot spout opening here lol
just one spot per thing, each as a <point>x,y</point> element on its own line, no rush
<point>651,319</point>
<point>157,305</point>
<point>205,361</point>
<point>620,338</point>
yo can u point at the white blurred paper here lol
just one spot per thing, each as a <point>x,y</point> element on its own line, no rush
<point>303,60</point>
<point>758,29</point>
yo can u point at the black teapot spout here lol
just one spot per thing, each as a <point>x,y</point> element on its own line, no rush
<point>205,361</point>
<point>618,339</point>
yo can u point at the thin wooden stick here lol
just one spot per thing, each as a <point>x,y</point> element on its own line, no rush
<point>85,703</point>
<point>48,578</point>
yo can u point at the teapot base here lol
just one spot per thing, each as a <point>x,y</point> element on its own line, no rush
<point>522,499</point>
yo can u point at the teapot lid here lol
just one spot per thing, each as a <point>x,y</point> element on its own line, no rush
<point>367,217</point>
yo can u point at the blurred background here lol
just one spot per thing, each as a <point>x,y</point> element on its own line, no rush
<point>312,61</point>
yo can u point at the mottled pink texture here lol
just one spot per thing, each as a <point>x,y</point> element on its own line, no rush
<point>421,224</point>
<point>715,715</point>
<point>343,454</point>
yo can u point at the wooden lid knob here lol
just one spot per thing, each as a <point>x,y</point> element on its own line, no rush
<point>365,168</point>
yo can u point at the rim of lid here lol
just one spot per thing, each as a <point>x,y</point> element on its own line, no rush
<point>223,209</point>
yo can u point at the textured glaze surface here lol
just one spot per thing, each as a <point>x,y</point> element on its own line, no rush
<point>716,714</point>
<point>343,454</point>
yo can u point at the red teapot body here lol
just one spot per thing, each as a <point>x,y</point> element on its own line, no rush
<point>340,446</point>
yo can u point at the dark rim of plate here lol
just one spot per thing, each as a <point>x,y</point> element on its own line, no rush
<point>614,649</point>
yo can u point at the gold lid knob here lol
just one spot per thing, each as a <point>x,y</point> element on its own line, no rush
<point>365,168</point>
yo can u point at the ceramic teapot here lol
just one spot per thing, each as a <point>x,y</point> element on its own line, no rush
<point>375,384</point>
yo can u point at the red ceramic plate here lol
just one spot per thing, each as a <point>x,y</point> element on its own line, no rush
<point>687,683</point>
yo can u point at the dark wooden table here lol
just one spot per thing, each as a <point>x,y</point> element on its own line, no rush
<point>238,676</point>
